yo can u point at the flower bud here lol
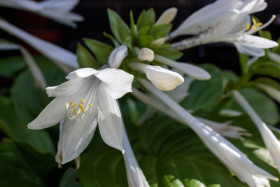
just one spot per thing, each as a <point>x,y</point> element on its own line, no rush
<point>158,42</point>
<point>117,56</point>
<point>167,16</point>
<point>161,78</point>
<point>146,54</point>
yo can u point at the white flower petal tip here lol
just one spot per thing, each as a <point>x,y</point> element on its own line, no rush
<point>271,142</point>
<point>162,78</point>
<point>188,69</point>
<point>146,54</point>
<point>117,56</point>
<point>158,42</point>
<point>167,16</point>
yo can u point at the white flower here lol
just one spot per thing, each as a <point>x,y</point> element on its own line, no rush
<point>226,21</point>
<point>167,16</point>
<point>58,10</point>
<point>232,157</point>
<point>271,142</point>
<point>117,56</point>
<point>87,98</point>
<point>35,70</point>
<point>162,78</point>
<point>190,70</point>
<point>145,54</point>
<point>135,175</point>
<point>63,58</point>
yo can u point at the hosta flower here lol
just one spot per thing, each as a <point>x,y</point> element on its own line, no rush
<point>226,21</point>
<point>167,16</point>
<point>232,157</point>
<point>66,60</point>
<point>188,69</point>
<point>146,54</point>
<point>135,175</point>
<point>87,98</point>
<point>117,56</point>
<point>162,78</point>
<point>58,10</point>
<point>271,142</point>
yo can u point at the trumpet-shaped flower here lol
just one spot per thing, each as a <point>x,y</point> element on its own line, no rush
<point>58,10</point>
<point>162,78</point>
<point>226,21</point>
<point>135,175</point>
<point>188,69</point>
<point>66,60</point>
<point>117,56</point>
<point>271,142</point>
<point>87,98</point>
<point>232,157</point>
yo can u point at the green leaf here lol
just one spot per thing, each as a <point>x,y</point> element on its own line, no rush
<point>263,105</point>
<point>243,62</point>
<point>101,50</point>
<point>115,42</point>
<point>266,68</point>
<point>160,31</point>
<point>9,66</point>
<point>69,179</point>
<point>17,129</point>
<point>205,94</point>
<point>118,26</point>
<point>146,18</point>
<point>144,40</point>
<point>85,59</point>
<point>13,170</point>
<point>265,34</point>
<point>170,53</point>
<point>132,24</point>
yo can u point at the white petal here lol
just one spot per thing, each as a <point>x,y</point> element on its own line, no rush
<point>81,73</point>
<point>135,175</point>
<point>109,119</point>
<point>52,114</point>
<point>252,51</point>
<point>117,56</point>
<point>77,134</point>
<point>167,16</point>
<point>191,70</point>
<point>116,82</point>
<point>271,142</point>
<point>59,55</point>
<point>146,54</point>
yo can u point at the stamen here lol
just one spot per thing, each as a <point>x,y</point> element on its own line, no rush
<point>256,25</point>
<point>75,110</point>
<point>83,101</point>
<point>71,103</point>
<point>90,105</point>
<point>247,26</point>
<point>82,108</point>
<point>73,106</point>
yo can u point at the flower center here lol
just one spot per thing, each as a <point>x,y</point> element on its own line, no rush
<point>77,111</point>
<point>255,25</point>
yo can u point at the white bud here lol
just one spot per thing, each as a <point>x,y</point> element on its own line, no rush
<point>146,54</point>
<point>158,42</point>
<point>117,56</point>
<point>161,78</point>
<point>167,16</point>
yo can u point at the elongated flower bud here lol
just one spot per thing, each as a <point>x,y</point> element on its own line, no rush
<point>117,56</point>
<point>163,79</point>
<point>167,16</point>
<point>146,54</point>
<point>158,42</point>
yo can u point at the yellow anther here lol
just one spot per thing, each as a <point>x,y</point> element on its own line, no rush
<point>83,101</point>
<point>71,103</point>
<point>90,105</point>
<point>75,110</point>
<point>73,106</point>
<point>247,26</point>
<point>82,108</point>
<point>256,25</point>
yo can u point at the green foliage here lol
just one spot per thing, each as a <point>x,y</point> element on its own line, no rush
<point>101,50</point>
<point>9,66</point>
<point>85,59</point>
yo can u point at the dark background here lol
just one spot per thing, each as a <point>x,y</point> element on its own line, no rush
<point>96,21</point>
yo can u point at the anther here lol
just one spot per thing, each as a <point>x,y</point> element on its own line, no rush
<point>75,110</point>
<point>90,105</point>
<point>82,108</point>
<point>73,106</point>
<point>83,101</point>
<point>71,103</point>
